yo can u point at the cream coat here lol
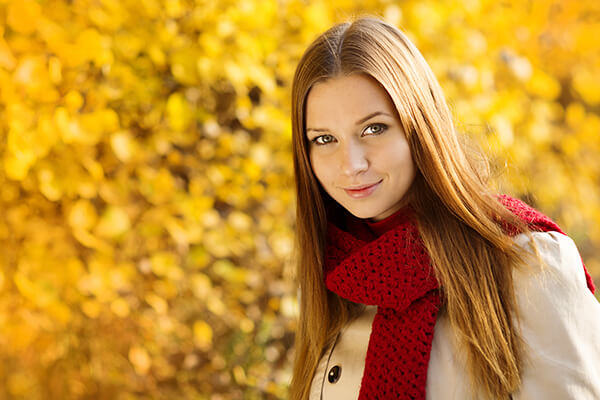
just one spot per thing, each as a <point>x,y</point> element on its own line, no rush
<point>560,324</point>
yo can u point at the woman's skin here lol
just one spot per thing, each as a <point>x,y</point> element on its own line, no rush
<point>356,141</point>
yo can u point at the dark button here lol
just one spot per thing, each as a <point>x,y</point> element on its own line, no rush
<point>334,374</point>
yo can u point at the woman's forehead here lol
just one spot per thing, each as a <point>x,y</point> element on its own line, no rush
<point>356,93</point>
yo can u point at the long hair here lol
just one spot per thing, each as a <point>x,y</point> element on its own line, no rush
<point>458,216</point>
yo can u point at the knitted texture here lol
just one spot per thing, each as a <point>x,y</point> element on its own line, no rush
<point>394,272</point>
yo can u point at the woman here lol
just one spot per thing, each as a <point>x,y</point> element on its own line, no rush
<point>416,280</point>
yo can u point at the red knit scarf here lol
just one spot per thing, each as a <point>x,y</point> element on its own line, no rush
<point>394,272</point>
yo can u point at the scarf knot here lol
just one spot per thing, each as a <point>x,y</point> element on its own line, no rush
<point>394,272</point>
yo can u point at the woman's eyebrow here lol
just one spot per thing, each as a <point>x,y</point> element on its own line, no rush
<point>317,129</point>
<point>360,121</point>
<point>368,117</point>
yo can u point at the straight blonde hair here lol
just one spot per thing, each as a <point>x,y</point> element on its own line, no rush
<point>459,217</point>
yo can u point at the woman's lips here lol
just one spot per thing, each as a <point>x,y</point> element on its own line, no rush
<point>362,192</point>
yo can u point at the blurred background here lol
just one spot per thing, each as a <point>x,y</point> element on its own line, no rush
<point>146,182</point>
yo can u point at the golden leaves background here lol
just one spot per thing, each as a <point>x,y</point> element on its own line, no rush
<point>146,203</point>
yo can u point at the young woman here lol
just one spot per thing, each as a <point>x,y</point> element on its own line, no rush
<point>416,280</point>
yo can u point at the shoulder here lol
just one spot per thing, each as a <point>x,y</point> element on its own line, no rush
<point>559,319</point>
<point>559,265</point>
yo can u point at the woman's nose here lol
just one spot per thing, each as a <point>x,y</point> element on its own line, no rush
<point>353,159</point>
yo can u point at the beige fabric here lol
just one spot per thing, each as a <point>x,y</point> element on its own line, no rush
<point>560,323</point>
<point>348,352</point>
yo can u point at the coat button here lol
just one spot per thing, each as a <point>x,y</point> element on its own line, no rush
<point>334,374</point>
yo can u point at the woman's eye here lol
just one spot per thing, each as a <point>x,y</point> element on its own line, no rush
<point>375,129</point>
<point>323,139</point>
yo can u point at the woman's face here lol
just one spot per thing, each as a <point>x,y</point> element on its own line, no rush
<point>358,149</point>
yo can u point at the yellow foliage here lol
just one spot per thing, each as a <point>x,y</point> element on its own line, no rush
<point>114,222</point>
<point>147,193</point>
<point>587,85</point>
<point>22,16</point>
<point>543,85</point>
<point>138,356</point>
<point>83,215</point>
<point>203,335</point>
